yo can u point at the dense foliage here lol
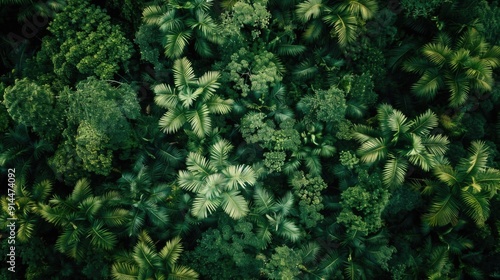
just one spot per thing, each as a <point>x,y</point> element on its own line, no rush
<point>250,139</point>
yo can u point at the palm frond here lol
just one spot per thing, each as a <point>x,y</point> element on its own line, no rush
<point>209,84</point>
<point>363,133</point>
<point>124,271</point>
<point>373,150</point>
<point>234,204</point>
<point>202,206</point>
<point>443,210</point>
<point>239,176</point>
<point>309,9</point>
<point>289,230</point>
<point>436,144</point>
<point>176,43</point>
<point>146,257</point>
<point>397,123</point>
<point>220,106</point>
<point>82,190</point>
<point>428,85</point>
<point>436,53</point>
<point>171,251</point>
<point>394,172</point>
<point>183,73</point>
<point>365,9</point>
<point>172,120</point>
<point>200,120</point>
<point>345,28</point>
<point>199,165</point>
<point>284,205</point>
<point>180,272</point>
<point>424,123</point>
<point>479,153</point>
<point>152,14</point>
<point>447,174</point>
<point>291,50</point>
<point>219,153</point>
<point>264,201</point>
<point>189,181</point>
<point>101,237</point>
<point>478,208</point>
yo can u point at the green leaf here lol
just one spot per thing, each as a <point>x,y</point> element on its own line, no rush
<point>102,238</point>
<point>264,201</point>
<point>395,171</point>
<point>176,43</point>
<point>200,120</point>
<point>124,271</point>
<point>479,153</point>
<point>309,9</point>
<point>202,206</point>
<point>478,208</point>
<point>239,176</point>
<point>443,210</point>
<point>171,251</point>
<point>172,120</point>
<point>234,204</point>
<point>373,150</point>
<point>424,123</point>
<point>180,272</point>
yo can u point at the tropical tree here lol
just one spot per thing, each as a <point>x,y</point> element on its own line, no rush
<point>146,262</point>
<point>345,18</point>
<point>145,199</point>
<point>191,100</point>
<point>270,215</point>
<point>467,66</point>
<point>462,190</point>
<point>180,21</point>
<point>85,219</point>
<point>217,182</point>
<point>400,142</point>
<point>27,206</point>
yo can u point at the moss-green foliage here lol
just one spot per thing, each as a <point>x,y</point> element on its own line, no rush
<point>84,42</point>
<point>33,105</point>
<point>308,190</point>
<point>227,252</point>
<point>363,203</point>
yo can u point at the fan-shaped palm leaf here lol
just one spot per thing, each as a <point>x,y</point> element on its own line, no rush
<point>173,120</point>
<point>436,144</point>
<point>264,201</point>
